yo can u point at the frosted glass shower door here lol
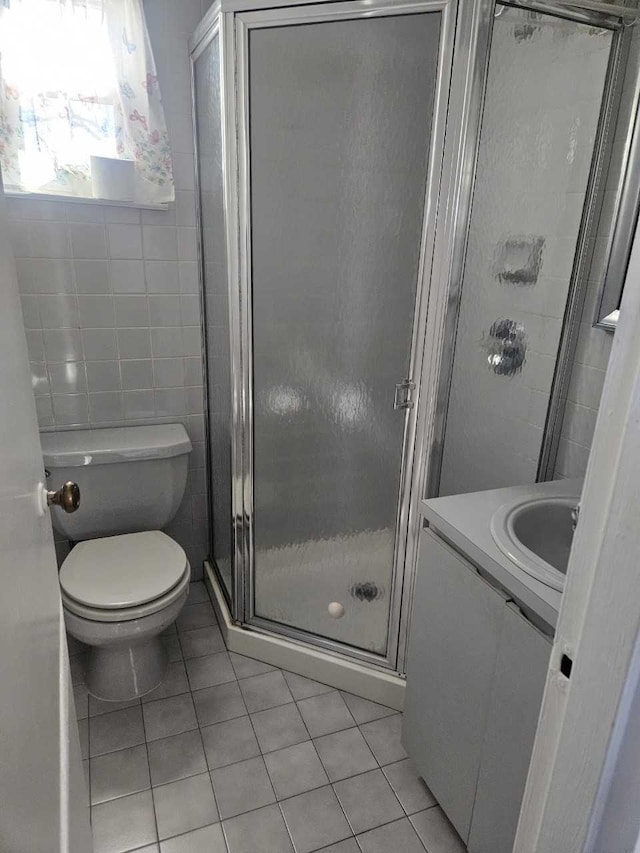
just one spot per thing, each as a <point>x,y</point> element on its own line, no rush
<point>339,119</point>
<point>206,80</point>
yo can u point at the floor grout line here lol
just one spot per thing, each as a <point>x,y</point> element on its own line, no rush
<point>199,726</point>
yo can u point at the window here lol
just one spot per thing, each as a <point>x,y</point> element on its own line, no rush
<point>80,107</point>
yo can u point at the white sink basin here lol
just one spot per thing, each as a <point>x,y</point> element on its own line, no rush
<point>536,535</point>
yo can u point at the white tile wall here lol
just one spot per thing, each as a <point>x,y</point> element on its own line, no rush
<point>110,295</point>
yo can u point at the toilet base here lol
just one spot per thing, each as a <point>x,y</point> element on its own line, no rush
<point>124,671</point>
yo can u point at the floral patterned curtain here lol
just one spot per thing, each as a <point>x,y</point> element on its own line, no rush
<point>78,80</point>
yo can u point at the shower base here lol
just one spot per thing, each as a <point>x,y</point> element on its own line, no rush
<point>294,656</point>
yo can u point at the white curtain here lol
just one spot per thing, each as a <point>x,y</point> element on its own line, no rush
<point>79,79</point>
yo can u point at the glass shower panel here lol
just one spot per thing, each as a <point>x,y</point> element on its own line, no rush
<point>543,100</point>
<point>216,303</point>
<point>340,128</point>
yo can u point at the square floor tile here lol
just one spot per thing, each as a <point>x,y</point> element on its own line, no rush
<point>166,717</point>
<point>116,730</point>
<point>363,710</point>
<point>383,737</point>
<point>201,641</point>
<point>345,754</point>
<point>101,706</point>
<point>215,704</point>
<point>196,616</point>
<point>398,835</point>
<point>210,670</point>
<point>295,769</point>
<point>229,742</point>
<point>123,824</point>
<point>176,757</point>
<point>246,667</point>
<point>242,787</point>
<point>151,848</point>
<point>265,691</point>
<point>368,800</point>
<point>409,788</point>
<point>436,832</point>
<point>83,733</point>
<point>117,774</point>
<point>348,846</point>
<point>279,727</point>
<point>315,820</point>
<point>325,714</point>
<point>81,701</point>
<point>304,688</point>
<point>261,831</point>
<point>197,593</point>
<point>173,683</point>
<point>78,667</point>
<point>184,805</point>
<point>173,648</point>
<point>207,839</point>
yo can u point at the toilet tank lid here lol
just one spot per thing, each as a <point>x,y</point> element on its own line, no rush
<point>75,448</point>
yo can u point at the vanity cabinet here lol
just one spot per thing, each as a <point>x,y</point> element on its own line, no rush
<point>475,678</point>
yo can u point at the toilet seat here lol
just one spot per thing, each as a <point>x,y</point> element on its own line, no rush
<point>118,578</point>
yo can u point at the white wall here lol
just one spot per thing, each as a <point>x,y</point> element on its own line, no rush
<point>110,295</point>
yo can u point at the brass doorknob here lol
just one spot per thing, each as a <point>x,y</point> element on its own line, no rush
<point>67,497</point>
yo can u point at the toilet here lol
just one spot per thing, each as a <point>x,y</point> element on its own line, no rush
<point>124,580</point>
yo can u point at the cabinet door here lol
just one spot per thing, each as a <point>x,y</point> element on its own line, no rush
<point>521,671</point>
<point>455,630</point>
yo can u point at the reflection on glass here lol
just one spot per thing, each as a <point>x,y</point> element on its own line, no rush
<point>340,119</point>
<point>544,93</point>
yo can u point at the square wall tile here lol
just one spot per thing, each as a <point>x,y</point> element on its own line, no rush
<point>125,242</point>
<point>96,311</point>
<point>160,243</point>
<point>127,276</point>
<point>99,344</point>
<point>88,240</point>
<point>92,276</point>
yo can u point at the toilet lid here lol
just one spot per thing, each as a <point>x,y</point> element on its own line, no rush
<point>122,571</point>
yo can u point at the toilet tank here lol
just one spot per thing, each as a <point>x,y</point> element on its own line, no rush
<point>130,478</point>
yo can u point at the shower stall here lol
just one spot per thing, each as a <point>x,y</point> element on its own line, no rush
<point>353,221</point>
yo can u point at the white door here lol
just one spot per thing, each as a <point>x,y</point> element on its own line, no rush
<point>42,796</point>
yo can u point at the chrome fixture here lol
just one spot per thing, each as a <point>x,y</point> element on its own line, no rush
<point>402,397</point>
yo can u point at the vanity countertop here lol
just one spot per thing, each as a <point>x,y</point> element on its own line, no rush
<point>465,522</point>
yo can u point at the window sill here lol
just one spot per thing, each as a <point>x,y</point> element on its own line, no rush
<point>74,199</point>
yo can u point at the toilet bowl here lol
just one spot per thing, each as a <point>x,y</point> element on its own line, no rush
<point>124,580</point>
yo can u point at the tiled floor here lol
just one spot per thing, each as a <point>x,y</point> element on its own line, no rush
<point>230,755</point>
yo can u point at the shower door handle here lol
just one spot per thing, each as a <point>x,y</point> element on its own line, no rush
<point>402,397</point>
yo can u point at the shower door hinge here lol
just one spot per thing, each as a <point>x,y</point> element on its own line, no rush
<point>402,397</point>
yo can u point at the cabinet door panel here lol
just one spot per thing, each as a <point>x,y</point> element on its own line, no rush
<point>521,671</point>
<point>455,630</point>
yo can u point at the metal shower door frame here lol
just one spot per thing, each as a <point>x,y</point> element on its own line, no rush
<point>236,28</point>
